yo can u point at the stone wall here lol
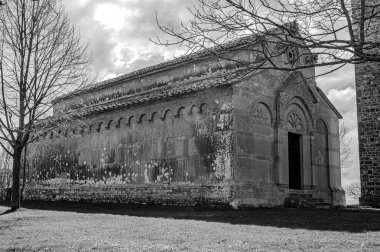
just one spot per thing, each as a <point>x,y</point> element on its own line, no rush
<point>185,139</point>
<point>219,194</point>
<point>368,107</point>
<point>254,115</point>
<point>213,194</point>
<point>367,78</point>
<point>180,194</point>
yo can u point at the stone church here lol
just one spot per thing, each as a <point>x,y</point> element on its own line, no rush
<point>196,130</point>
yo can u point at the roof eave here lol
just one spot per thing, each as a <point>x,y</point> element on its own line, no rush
<point>326,99</point>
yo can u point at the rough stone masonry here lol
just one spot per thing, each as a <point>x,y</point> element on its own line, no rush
<point>196,130</point>
<point>367,78</point>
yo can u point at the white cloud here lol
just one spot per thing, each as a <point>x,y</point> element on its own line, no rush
<point>343,99</point>
<point>110,16</point>
<point>339,79</point>
<point>118,31</point>
<point>83,2</point>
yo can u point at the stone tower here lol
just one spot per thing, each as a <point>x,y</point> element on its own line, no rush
<point>367,77</point>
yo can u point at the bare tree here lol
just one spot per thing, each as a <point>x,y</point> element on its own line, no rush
<point>5,169</point>
<point>41,57</point>
<point>334,31</point>
<point>345,144</point>
<point>353,190</point>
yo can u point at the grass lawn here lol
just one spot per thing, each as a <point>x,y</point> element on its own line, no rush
<point>59,226</point>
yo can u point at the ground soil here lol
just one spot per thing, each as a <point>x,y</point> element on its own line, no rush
<point>60,226</point>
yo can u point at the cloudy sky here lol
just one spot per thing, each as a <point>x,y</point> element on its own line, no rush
<point>118,33</point>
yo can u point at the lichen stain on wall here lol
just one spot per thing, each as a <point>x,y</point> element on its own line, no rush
<point>221,156</point>
<point>192,146</point>
<point>218,160</point>
<point>59,167</point>
<point>156,171</point>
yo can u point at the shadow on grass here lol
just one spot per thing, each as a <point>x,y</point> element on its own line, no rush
<point>27,249</point>
<point>7,212</point>
<point>346,220</point>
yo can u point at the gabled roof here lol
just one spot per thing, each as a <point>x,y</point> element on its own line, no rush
<point>234,44</point>
<point>329,103</point>
<point>237,43</point>
<point>191,85</point>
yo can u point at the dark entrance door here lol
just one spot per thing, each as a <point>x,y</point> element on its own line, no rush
<point>294,148</point>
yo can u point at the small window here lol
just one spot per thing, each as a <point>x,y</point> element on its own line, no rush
<point>292,54</point>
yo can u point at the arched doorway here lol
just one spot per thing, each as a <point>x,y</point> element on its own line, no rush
<point>295,125</point>
<point>294,151</point>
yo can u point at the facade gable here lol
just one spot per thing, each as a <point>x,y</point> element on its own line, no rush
<point>296,86</point>
<point>296,93</point>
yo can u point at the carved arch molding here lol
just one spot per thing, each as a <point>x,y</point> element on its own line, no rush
<point>296,120</point>
<point>296,91</point>
<point>322,127</point>
<point>262,110</point>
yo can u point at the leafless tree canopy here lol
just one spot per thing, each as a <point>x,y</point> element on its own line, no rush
<point>41,57</point>
<point>353,190</point>
<point>326,27</point>
<point>345,144</point>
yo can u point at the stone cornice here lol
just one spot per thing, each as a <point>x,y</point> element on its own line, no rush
<point>221,78</point>
<point>191,85</point>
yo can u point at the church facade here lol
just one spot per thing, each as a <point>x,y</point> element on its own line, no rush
<point>196,130</point>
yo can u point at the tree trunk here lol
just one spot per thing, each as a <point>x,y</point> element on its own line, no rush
<point>15,199</point>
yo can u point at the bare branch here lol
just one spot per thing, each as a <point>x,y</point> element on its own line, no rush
<point>345,144</point>
<point>41,58</point>
<point>353,190</point>
<point>335,30</point>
